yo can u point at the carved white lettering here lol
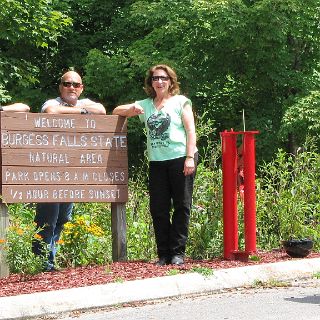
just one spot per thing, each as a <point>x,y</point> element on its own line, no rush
<point>18,176</point>
<point>91,123</point>
<point>104,194</point>
<point>85,176</point>
<point>69,141</point>
<point>48,157</point>
<point>68,194</point>
<point>24,139</point>
<point>120,141</point>
<point>43,122</point>
<point>67,176</point>
<point>16,194</point>
<point>62,140</point>
<point>108,143</point>
<point>108,177</point>
<point>37,194</point>
<point>96,141</point>
<point>91,158</point>
<point>45,176</point>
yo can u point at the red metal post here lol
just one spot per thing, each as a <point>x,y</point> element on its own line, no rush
<point>230,211</point>
<point>249,191</point>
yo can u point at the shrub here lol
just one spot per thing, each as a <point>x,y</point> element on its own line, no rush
<point>20,235</point>
<point>288,197</point>
<point>288,204</point>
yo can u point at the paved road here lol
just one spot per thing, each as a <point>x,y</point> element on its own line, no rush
<point>299,301</point>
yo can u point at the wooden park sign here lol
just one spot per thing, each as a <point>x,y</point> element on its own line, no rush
<point>63,158</point>
<point>66,158</point>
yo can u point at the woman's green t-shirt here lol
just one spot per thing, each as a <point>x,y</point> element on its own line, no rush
<point>166,135</point>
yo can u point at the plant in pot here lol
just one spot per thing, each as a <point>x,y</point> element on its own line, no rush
<point>303,202</point>
<point>297,248</point>
<point>297,228</point>
<point>288,201</point>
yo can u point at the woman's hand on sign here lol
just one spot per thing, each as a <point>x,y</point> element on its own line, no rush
<point>128,110</point>
<point>137,109</point>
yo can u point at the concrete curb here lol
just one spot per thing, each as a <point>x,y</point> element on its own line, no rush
<point>67,300</point>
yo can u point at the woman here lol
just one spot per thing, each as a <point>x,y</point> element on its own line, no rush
<point>172,152</point>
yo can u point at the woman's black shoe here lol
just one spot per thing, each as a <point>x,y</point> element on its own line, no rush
<point>163,261</point>
<point>177,260</point>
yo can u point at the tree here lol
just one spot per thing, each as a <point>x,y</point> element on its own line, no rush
<point>27,29</point>
<point>302,118</point>
<point>256,56</point>
<point>231,56</point>
<point>90,31</point>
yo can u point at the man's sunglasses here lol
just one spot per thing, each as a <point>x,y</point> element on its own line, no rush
<point>158,78</point>
<point>73,84</point>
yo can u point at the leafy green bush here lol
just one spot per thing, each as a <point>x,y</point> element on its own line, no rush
<point>18,244</point>
<point>140,233</point>
<point>83,243</point>
<point>206,225</point>
<point>288,197</point>
<point>288,205</point>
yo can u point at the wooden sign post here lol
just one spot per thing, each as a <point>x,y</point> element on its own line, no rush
<point>4,224</point>
<point>66,158</point>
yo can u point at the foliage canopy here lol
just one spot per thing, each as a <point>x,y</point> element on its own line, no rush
<point>257,56</point>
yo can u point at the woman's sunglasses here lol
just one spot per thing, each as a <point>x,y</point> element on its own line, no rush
<point>158,78</point>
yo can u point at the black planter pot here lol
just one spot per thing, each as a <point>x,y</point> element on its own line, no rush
<point>298,248</point>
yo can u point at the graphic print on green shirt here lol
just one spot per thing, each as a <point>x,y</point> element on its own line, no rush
<point>158,123</point>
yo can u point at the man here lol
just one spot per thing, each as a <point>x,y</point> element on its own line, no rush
<point>70,88</point>
<point>50,217</point>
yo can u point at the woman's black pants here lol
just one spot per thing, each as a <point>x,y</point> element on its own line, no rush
<point>170,188</point>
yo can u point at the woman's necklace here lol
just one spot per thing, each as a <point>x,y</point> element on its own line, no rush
<point>160,102</point>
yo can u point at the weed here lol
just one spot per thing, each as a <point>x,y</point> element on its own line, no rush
<point>206,272</point>
<point>108,269</point>
<point>254,258</point>
<point>272,283</point>
<point>173,272</point>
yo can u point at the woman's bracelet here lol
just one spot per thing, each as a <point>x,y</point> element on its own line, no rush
<point>191,157</point>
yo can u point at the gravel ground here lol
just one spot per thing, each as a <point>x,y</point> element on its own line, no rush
<point>17,284</point>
